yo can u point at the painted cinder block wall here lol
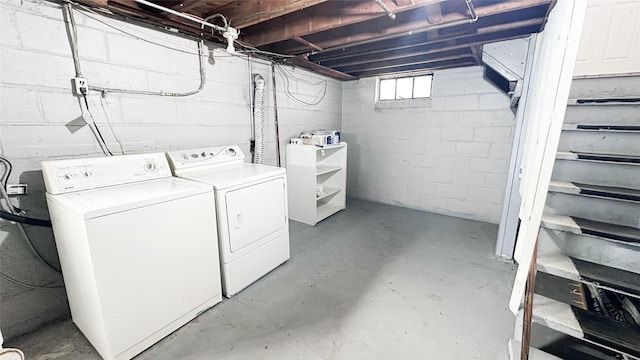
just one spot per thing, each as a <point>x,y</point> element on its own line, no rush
<point>36,103</point>
<point>448,155</point>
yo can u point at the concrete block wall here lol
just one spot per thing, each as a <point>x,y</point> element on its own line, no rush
<point>37,104</point>
<point>448,156</point>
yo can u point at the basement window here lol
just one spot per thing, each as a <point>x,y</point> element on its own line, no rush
<point>412,87</point>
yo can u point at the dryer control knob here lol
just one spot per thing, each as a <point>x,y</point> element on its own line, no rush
<point>150,166</point>
<point>231,151</point>
<point>184,156</point>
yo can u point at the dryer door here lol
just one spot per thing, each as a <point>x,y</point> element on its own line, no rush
<point>255,211</point>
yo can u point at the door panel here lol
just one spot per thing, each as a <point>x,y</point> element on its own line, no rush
<point>255,212</point>
<point>609,43</point>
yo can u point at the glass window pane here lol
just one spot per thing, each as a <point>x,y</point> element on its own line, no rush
<point>404,88</point>
<point>422,86</point>
<point>388,89</point>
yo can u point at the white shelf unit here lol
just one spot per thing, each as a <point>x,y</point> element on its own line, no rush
<point>309,167</point>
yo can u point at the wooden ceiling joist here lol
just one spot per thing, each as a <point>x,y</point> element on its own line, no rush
<point>346,39</point>
<point>487,34</point>
<point>323,17</point>
<point>298,61</point>
<point>433,47</point>
<point>188,5</point>
<point>417,67</point>
<point>244,13</point>
<point>409,22</point>
<point>386,62</point>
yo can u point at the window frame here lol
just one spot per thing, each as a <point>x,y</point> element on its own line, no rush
<point>396,78</point>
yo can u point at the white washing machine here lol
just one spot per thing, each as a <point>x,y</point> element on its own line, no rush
<point>137,247</point>
<point>251,203</point>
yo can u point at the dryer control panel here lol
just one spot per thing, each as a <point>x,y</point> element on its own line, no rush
<point>205,157</point>
<point>62,176</point>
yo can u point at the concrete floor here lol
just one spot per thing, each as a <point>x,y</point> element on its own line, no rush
<point>371,282</point>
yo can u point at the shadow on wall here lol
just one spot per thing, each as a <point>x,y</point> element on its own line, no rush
<point>354,166</point>
<point>26,308</point>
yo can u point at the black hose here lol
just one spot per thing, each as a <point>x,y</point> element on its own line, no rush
<point>24,219</point>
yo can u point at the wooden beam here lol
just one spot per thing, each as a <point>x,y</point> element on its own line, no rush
<point>477,53</point>
<point>414,68</point>
<point>305,42</point>
<point>418,60</point>
<point>414,58</point>
<point>188,5</point>
<point>321,18</point>
<point>243,13</point>
<point>397,45</point>
<point>131,7</point>
<point>423,49</point>
<point>318,69</point>
<point>414,21</point>
<point>434,14</point>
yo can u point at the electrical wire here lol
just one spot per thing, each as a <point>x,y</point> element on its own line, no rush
<point>287,77</point>
<point>11,209</point>
<point>72,31</point>
<point>203,81</point>
<point>106,115</point>
<point>96,130</point>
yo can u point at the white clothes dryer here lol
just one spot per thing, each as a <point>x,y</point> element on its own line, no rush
<point>137,247</point>
<point>252,213</point>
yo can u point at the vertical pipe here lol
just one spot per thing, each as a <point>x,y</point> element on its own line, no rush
<point>275,111</point>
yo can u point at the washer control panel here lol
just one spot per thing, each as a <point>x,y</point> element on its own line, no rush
<point>205,157</point>
<point>61,176</point>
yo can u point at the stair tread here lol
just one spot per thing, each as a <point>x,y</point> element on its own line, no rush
<point>583,324</point>
<point>595,190</point>
<point>608,127</point>
<point>534,354</point>
<point>602,229</point>
<point>620,99</point>
<point>578,225</point>
<point>616,158</point>
<point>588,272</point>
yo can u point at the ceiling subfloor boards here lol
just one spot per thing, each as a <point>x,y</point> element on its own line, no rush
<point>347,39</point>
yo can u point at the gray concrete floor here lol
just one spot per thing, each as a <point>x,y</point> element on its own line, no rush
<point>371,282</point>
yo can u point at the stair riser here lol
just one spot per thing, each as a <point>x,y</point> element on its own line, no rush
<point>602,142</point>
<point>593,249</point>
<point>600,209</point>
<point>612,87</point>
<point>628,114</point>
<point>597,173</point>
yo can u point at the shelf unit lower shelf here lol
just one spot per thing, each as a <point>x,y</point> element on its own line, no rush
<point>317,179</point>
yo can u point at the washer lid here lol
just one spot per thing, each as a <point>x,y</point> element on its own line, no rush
<point>104,201</point>
<point>228,176</point>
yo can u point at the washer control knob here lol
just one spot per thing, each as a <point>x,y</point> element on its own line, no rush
<point>231,151</point>
<point>203,154</point>
<point>195,156</point>
<point>184,156</point>
<point>87,173</point>
<point>67,176</point>
<point>150,166</point>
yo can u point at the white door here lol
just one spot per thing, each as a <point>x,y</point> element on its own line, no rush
<point>254,212</point>
<point>610,42</point>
